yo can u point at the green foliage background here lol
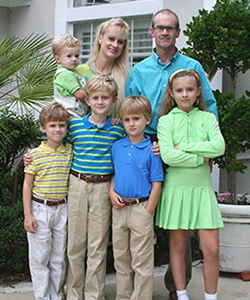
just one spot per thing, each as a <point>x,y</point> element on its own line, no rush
<point>20,132</point>
<point>220,40</point>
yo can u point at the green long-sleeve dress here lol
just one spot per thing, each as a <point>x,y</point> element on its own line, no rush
<point>188,200</point>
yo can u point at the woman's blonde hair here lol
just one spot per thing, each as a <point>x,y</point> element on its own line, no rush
<point>168,103</point>
<point>120,69</point>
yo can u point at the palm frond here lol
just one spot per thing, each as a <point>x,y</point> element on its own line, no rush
<point>26,72</point>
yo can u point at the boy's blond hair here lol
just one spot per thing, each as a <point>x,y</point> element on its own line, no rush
<point>62,41</point>
<point>53,112</point>
<point>133,105</point>
<point>101,82</point>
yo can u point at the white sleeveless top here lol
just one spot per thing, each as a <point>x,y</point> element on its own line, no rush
<point>76,108</point>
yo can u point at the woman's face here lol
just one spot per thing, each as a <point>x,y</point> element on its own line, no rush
<point>112,42</point>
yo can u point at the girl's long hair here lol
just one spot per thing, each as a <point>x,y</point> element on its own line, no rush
<point>120,68</point>
<point>168,103</point>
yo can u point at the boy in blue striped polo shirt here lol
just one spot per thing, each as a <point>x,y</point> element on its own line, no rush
<point>89,207</point>
<point>45,206</point>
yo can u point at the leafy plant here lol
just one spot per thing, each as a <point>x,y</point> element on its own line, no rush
<point>13,244</point>
<point>220,39</point>
<point>21,131</point>
<point>26,72</point>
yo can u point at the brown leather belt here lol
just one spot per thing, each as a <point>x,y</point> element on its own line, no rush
<point>48,202</point>
<point>131,201</point>
<point>91,178</point>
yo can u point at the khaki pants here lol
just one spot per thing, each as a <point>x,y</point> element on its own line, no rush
<point>89,211</point>
<point>133,246</point>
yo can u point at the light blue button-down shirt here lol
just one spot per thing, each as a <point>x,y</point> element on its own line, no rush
<point>150,78</point>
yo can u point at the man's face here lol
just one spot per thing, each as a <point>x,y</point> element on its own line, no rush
<point>165,31</point>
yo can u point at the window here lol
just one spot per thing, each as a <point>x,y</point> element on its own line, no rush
<point>140,41</point>
<point>79,3</point>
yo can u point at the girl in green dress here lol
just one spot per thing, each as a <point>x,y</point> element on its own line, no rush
<point>188,138</point>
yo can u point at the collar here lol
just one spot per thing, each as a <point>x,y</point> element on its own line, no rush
<point>176,110</point>
<point>143,144</point>
<point>63,67</point>
<point>45,148</point>
<point>172,59</point>
<point>107,126</point>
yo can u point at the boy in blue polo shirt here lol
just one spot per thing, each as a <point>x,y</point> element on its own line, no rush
<point>134,191</point>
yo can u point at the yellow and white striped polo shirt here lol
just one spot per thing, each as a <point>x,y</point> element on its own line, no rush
<point>51,170</point>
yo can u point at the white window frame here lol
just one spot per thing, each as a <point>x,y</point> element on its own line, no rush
<point>66,15</point>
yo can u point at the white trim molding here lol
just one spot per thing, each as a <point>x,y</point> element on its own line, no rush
<point>14,3</point>
<point>66,15</point>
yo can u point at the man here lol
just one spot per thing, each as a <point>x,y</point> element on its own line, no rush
<point>150,78</point>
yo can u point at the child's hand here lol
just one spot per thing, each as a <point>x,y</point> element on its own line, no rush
<point>116,200</point>
<point>27,159</point>
<point>156,149</point>
<point>30,224</point>
<point>176,147</point>
<point>115,121</point>
<point>80,95</point>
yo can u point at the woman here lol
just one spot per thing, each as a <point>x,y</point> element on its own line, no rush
<point>110,55</point>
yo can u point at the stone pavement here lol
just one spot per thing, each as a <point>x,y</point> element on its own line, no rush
<point>230,287</point>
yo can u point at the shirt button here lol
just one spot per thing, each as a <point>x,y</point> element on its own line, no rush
<point>132,146</point>
<point>164,85</point>
<point>129,154</point>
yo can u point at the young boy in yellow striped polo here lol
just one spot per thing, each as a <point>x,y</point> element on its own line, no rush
<point>45,190</point>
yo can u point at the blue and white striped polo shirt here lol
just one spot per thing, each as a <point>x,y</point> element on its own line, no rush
<point>92,145</point>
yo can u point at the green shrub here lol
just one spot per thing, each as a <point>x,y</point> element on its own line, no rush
<point>13,245</point>
<point>19,131</point>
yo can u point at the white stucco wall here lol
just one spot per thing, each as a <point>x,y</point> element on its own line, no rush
<point>185,10</point>
<point>4,22</point>
<point>37,18</point>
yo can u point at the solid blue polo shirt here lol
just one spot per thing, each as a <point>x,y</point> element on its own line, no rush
<point>135,167</point>
<point>150,79</point>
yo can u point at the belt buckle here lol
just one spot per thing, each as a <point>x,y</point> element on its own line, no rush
<point>87,178</point>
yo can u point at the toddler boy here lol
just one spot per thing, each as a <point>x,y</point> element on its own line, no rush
<point>45,190</point>
<point>68,87</point>
<point>134,191</point>
<point>89,206</point>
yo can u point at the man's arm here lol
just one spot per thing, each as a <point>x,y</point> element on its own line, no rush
<point>132,89</point>
<point>29,221</point>
<point>207,92</point>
